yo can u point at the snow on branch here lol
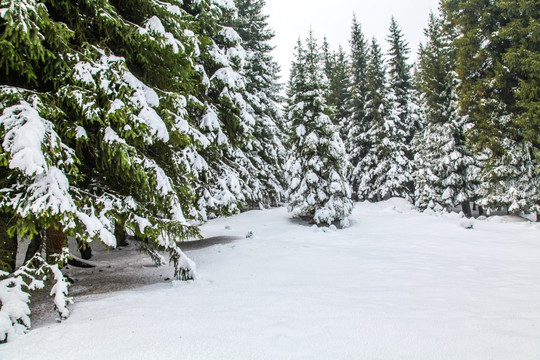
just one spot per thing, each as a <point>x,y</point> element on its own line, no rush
<point>15,297</point>
<point>26,132</point>
<point>184,267</point>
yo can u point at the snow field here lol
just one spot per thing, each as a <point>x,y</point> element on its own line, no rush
<point>395,285</point>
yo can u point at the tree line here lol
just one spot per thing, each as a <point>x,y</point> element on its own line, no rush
<point>458,127</point>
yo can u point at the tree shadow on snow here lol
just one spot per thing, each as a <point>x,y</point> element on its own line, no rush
<point>120,269</point>
<point>206,242</point>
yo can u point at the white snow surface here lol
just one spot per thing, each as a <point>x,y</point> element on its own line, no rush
<point>396,284</point>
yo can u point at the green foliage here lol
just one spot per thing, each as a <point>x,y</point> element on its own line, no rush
<point>498,67</point>
<point>354,130</point>
<point>31,43</point>
<point>119,91</point>
<point>317,165</point>
<point>339,89</point>
<point>359,86</point>
<point>498,61</point>
<point>385,169</point>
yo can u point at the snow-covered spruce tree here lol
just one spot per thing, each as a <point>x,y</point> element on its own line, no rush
<point>225,178</point>
<point>338,89</point>
<point>34,161</point>
<point>447,173</point>
<point>499,82</point>
<point>355,130</point>
<point>327,58</point>
<point>400,85</point>
<point>218,110</point>
<point>318,189</point>
<point>513,181</point>
<point>390,168</point>
<point>265,149</point>
<point>336,69</point>
<point>103,104</point>
<point>372,169</point>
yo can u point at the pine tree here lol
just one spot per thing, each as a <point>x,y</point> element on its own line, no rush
<point>376,112</point>
<point>120,114</point>
<point>223,181</point>
<point>400,83</point>
<point>99,151</point>
<point>327,59</point>
<point>338,89</point>
<point>497,67</point>
<point>355,130</point>
<point>265,150</point>
<point>386,170</point>
<point>396,154</point>
<point>446,172</point>
<point>318,188</point>
<point>512,182</point>
<point>336,69</point>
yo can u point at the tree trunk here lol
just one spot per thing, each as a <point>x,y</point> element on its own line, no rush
<point>480,211</point>
<point>84,249</point>
<point>120,234</point>
<point>466,208</point>
<point>56,240</point>
<point>8,247</point>
<point>538,212</point>
<point>34,246</point>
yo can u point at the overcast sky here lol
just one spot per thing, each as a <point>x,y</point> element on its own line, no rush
<point>293,18</point>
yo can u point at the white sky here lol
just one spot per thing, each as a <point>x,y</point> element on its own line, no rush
<point>293,18</point>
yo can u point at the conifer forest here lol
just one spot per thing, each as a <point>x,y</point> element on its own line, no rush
<point>138,121</point>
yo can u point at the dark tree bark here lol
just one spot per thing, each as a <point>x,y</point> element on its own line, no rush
<point>34,246</point>
<point>56,240</point>
<point>466,208</point>
<point>85,250</point>
<point>120,234</point>
<point>8,247</point>
<point>480,211</point>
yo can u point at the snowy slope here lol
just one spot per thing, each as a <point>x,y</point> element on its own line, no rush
<point>395,285</point>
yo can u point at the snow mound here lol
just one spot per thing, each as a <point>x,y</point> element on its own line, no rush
<point>467,223</point>
<point>507,219</point>
<point>395,204</point>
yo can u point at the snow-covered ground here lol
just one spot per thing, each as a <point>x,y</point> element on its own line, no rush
<point>397,284</point>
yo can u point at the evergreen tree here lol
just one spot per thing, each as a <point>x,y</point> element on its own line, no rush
<point>327,59</point>
<point>355,130</point>
<point>400,84</point>
<point>497,67</point>
<point>101,153</point>
<point>336,69</point>
<point>447,173</point>
<point>224,181</point>
<point>338,89</point>
<point>400,126</point>
<point>386,170</point>
<point>318,188</point>
<point>265,151</point>
<point>512,182</point>
<point>120,115</point>
<point>376,111</point>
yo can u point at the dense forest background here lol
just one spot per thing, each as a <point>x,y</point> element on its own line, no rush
<point>149,117</point>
